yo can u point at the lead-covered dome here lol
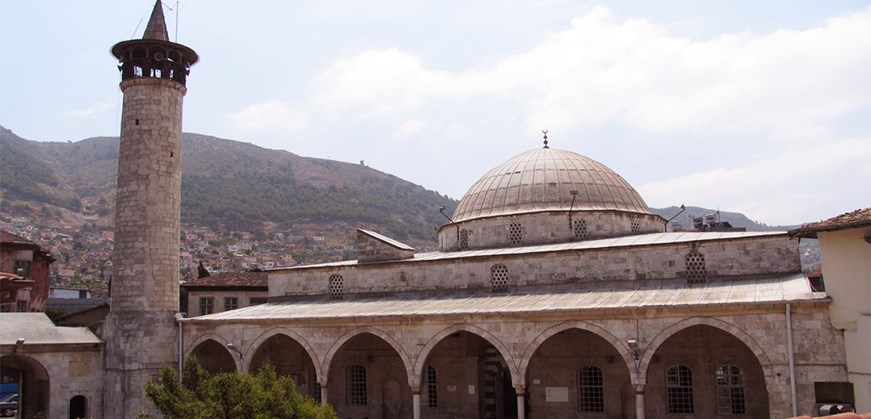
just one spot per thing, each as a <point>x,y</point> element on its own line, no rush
<point>542,180</point>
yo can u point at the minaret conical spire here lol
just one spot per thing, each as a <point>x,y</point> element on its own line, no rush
<point>156,28</point>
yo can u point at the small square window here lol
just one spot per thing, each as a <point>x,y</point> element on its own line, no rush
<point>207,305</point>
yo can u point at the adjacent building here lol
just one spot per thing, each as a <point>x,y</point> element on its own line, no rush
<point>25,262</point>
<point>845,250</point>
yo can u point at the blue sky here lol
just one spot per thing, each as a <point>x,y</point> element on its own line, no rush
<point>758,107</point>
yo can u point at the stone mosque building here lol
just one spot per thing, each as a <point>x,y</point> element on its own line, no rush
<point>555,293</point>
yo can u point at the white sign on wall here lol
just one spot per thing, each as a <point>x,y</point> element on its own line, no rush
<point>556,394</point>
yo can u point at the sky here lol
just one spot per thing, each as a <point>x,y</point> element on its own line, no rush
<point>756,107</point>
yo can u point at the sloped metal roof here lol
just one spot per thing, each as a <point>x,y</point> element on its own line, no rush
<point>586,296</point>
<point>542,180</point>
<point>37,328</point>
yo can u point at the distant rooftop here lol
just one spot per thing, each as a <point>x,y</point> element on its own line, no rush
<point>854,219</point>
<point>230,279</point>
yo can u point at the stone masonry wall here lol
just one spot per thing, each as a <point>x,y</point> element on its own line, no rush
<point>547,227</point>
<point>766,255</point>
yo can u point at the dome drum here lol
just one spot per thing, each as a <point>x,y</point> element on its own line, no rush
<point>545,227</point>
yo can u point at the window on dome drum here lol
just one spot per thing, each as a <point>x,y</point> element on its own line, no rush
<point>515,234</point>
<point>337,286</point>
<point>730,391</point>
<point>314,385</point>
<point>591,391</point>
<point>696,272</point>
<point>679,387</point>
<point>356,385</point>
<point>499,278</point>
<point>207,305</point>
<point>579,229</point>
<point>432,395</point>
<point>231,303</point>
<point>464,239</point>
<point>635,226</point>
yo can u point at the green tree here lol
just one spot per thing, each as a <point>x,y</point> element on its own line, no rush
<point>201,395</point>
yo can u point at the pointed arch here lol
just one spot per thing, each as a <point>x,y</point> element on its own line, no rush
<point>414,379</point>
<point>727,327</point>
<point>256,343</point>
<point>337,345</point>
<point>619,345</point>
<point>189,351</point>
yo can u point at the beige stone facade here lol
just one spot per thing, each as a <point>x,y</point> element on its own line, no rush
<point>526,319</point>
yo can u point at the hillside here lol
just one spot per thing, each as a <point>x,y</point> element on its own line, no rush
<point>735,218</point>
<point>225,184</point>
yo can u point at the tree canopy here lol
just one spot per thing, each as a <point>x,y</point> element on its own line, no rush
<point>201,395</point>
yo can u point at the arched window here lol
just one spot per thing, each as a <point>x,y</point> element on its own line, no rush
<point>464,239</point>
<point>579,229</point>
<point>515,234</point>
<point>337,286</point>
<point>679,387</point>
<point>499,278</point>
<point>432,395</point>
<point>696,271</point>
<point>78,407</point>
<point>356,385</point>
<point>730,391</point>
<point>591,391</point>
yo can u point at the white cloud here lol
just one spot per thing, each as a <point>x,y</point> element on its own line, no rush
<point>409,128</point>
<point>602,69</point>
<point>92,111</point>
<point>784,188</point>
<point>269,116</point>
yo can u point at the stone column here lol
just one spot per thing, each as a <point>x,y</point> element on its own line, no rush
<point>521,401</point>
<point>324,394</point>
<point>415,399</point>
<point>639,401</point>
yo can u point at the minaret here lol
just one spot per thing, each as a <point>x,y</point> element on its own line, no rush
<point>140,330</point>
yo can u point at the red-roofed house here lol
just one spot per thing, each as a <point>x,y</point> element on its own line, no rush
<point>26,259</point>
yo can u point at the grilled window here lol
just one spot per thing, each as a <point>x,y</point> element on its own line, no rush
<point>499,278</point>
<point>515,234</point>
<point>635,226</point>
<point>579,229</point>
<point>337,286</point>
<point>432,395</point>
<point>356,385</point>
<point>695,263</point>
<point>464,239</point>
<point>679,387</point>
<point>591,391</point>
<point>730,391</point>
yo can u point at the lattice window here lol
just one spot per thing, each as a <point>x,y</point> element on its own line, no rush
<point>314,386</point>
<point>679,387</point>
<point>207,305</point>
<point>591,391</point>
<point>579,229</point>
<point>515,234</point>
<point>432,395</point>
<point>337,286</point>
<point>499,277</point>
<point>635,226</point>
<point>231,303</point>
<point>696,272</point>
<point>356,385</point>
<point>730,391</point>
<point>464,239</point>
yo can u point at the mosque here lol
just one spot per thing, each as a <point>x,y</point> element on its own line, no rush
<point>555,293</point>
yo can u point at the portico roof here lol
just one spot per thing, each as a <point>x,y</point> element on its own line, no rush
<point>37,329</point>
<point>613,295</point>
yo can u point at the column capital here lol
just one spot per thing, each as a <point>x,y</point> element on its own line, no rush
<point>639,388</point>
